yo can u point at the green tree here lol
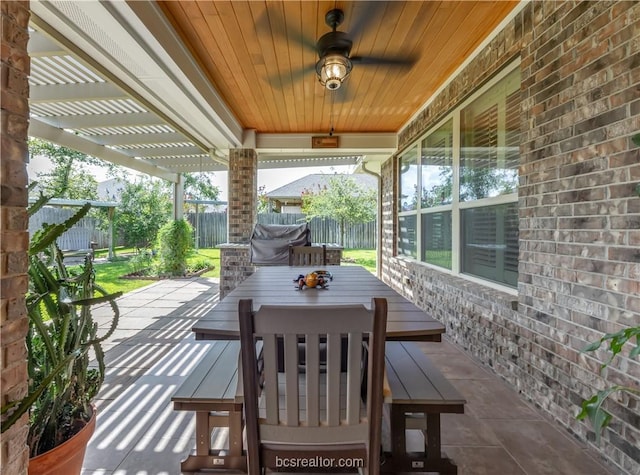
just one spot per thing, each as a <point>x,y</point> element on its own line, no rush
<point>263,202</point>
<point>145,205</point>
<point>69,178</point>
<point>344,200</point>
<point>198,186</point>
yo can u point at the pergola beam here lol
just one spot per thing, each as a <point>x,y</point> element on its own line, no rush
<point>142,119</point>
<point>40,45</point>
<point>74,92</point>
<point>206,163</point>
<point>66,139</point>
<point>160,152</point>
<point>116,140</point>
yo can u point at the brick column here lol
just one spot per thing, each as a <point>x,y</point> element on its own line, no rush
<point>243,194</point>
<point>242,214</point>
<point>14,237</point>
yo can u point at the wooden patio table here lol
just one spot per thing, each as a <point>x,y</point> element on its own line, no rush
<point>350,285</point>
<point>275,285</point>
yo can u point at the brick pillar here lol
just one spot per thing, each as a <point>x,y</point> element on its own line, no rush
<point>14,237</point>
<point>243,194</point>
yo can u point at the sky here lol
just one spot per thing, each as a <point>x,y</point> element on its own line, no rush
<point>270,178</point>
<point>276,177</point>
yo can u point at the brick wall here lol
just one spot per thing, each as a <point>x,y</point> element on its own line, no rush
<point>243,194</point>
<point>579,273</point>
<point>235,266</point>
<point>13,227</point>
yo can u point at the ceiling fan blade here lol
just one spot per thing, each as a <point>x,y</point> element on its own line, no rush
<point>364,14</point>
<point>343,94</point>
<point>273,22</point>
<point>400,61</point>
<point>284,81</point>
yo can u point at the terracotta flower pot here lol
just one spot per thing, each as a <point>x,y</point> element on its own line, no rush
<point>66,458</point>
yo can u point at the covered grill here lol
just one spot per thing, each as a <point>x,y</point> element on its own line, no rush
<point>270,242</point>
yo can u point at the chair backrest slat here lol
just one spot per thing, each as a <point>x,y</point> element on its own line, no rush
<point>270,356</point>
<point>312,372</point>
<point>334,362</point>
<point>308,255</point>
<point>291,390</point>
<point>354,359</point>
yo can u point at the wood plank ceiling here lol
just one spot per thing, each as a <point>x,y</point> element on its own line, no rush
<point>260,57</point>
<point>167,87</point>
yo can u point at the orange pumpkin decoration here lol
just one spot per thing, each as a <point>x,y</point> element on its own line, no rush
<point>311,280</point>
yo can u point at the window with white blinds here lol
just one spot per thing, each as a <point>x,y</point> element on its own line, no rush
<point>407,235</point>
<point>490,137</point>
<point>490,243</point>
<point>465,218</point>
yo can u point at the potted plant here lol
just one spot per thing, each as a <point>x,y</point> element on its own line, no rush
<point>62,332</point>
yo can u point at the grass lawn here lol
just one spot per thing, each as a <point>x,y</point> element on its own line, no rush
<point>360,257</point>
<point>108,273</point>
<point>108,276</point>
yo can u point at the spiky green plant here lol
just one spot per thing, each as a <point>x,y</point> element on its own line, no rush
<point>61,334</point>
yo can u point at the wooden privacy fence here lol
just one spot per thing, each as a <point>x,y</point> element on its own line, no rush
<point>79,237</point>
<point>211,229</point>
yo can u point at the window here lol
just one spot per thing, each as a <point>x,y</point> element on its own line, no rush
<point>490,138</point>
<point>436,163</point>
<point>490,243</point>
<point>436,238</point>
<point>407,233</point>
<point>465,218</point>
<point>409,180</point>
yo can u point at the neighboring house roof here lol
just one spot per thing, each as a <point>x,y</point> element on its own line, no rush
<point>111,189</point>
<point>316,182</point>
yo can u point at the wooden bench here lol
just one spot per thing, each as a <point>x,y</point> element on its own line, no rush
<point>76,245</point>
<point>212,391</point>
<point>77,257</point>
<point>419,393</point>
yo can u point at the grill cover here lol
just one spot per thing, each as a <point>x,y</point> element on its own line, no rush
<point>270,242</point>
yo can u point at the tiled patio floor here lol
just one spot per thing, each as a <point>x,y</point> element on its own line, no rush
<point>138,433</point>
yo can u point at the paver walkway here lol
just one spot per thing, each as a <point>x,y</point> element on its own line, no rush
<point>153,350</point>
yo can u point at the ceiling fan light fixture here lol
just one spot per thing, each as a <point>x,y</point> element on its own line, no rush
<point>332,69</point>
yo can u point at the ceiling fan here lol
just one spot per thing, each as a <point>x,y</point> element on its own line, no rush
<point>335,61</point>
<point>334,51</point>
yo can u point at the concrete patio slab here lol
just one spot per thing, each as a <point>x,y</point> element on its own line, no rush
<point>139,433</point>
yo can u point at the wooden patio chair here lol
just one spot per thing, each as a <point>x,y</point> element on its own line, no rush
<point>302,420</point>
<point>308,255</point>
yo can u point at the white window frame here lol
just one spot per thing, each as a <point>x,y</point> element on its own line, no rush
<point>456,205</point>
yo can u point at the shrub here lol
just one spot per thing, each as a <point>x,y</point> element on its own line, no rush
<point>199,264</point>
<point>141,262</point>
<point>174,244</point>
